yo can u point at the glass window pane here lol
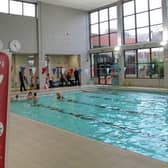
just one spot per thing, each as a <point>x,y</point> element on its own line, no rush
<point>131,71</point>
<point>130,37</point>
<point>143,34</point>
<point>103,15</point>
<point>94,30</point>
<point>155,4</point>
<point>158,70</point>
<point>104,28</point>
<point>155,70</point>
<point>150,70</point>
<point>113,26</point>
<point>113,39</point>
<point>143,70</point>
<point>104,58</point>
<point>130,64</point>
<point>156,33</point>
<point>141,5</point>
<point>95,42</point>
<point>129,22</point>
<point>128,8</point>
<point>143,56</point>
<point>157,54</point>
<point>142,19</point>
<point>4,6</point>
<point>94,17</point>
<point>29,9</point>
<point>156,16</point>
<point>100,58</point>
<point>144,63</point>
<point>104,40</point>
<point>157,62</point>
<point>16,7</point>
<point>130,57</point>
<point>113,12</point>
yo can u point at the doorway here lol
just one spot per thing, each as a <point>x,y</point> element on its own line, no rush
<point>61,65</point>
<point>104,67</point>
<point>23,62</point>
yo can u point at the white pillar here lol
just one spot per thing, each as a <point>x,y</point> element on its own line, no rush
<point>40,45</point>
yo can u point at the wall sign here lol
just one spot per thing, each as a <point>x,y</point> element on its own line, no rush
<point>4,86</point>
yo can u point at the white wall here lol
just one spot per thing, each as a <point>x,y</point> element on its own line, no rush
<point>20,28</point>
<point>64,31</point>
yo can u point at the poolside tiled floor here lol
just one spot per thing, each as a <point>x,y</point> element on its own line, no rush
<point>35,145</point>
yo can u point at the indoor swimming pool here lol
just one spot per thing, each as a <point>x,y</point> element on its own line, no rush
<point>132,120</point>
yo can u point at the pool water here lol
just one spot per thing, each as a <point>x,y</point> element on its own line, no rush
<point>132,120</point>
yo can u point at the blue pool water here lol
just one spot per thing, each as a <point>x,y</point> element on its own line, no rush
<point>132,120</point>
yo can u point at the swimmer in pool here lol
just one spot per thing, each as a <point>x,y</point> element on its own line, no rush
<point>29,96</point>
<point>35,98</point>
<point>16,97</point>
<point>59,96</point>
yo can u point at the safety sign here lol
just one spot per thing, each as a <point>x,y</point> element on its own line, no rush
<point>4,92</point>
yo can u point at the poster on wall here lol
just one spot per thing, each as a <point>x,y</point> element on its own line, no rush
<point>4,90</point>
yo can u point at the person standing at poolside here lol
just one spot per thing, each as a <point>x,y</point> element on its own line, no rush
<point>37,83</point>
<point>21,78</point>
<point>47,84</point>
<point>76,75</point>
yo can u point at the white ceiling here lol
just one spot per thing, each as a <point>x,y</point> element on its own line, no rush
<point>86,5</point>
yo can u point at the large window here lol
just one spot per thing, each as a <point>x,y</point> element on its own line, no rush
<point>4,6</point>
<point>103,27</point>
<point>29,9</point>
<point>142,21</point>
<point>18,7</point>
<point>144,63</point>
<point>131,63</point>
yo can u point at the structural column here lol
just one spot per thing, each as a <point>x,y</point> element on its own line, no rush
<point>40,44</point>
<point>165,39</point>
<point>120,42</point>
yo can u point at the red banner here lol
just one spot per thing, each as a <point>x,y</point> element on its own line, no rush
<point>4,80</point>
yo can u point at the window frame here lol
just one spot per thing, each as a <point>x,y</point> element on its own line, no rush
<point>22,3</point>
<point>108,34</point>
<point>149,26</point>
<point>148,64</point>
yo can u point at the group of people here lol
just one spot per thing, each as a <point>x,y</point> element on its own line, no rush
<point>33,99</point>
<point>32,83</point>
<point>32,96</point>
<point>65,79</point>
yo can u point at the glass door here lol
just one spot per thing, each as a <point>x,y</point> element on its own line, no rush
<point>105,68</point>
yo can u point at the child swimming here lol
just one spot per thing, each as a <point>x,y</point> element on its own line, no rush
<point>35,98</point>
<point>29,96</point>
<point>59,96</point>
